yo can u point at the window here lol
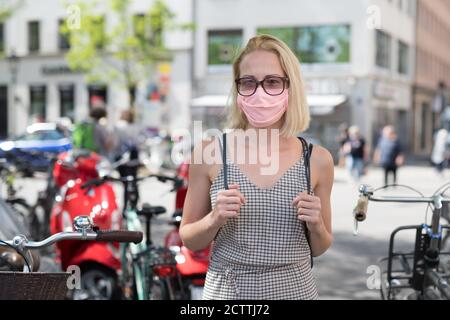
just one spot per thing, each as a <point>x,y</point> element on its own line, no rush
<point>403,58</point>
<point>383,56</point>
<point>97,95</point>
<point>2,37</point>
<point>38,102</point>
<point>63,38</point>
<point>223,46</point>
<point>33,36</point>
<point>67,101</point>
<point>316,44</point>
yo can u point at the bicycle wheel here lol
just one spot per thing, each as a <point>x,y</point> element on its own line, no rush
<point>97,283</point>
<point>22,209</point>
<point>34,222</point>
<point>159,289</point>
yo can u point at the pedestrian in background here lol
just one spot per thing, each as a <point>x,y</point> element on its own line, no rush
<point>356,153</point>
<point>129,134</point>
<point>93,134</point>
<point>342,139</point>
<point>389,154</point>
<point>439,155</point>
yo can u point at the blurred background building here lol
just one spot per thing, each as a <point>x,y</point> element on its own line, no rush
<point>357,58</point>
<point>366,62</point>
<point>36,83</point>
<point>431,97</point>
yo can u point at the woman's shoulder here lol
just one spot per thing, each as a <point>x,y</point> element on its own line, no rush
<point>206,151</point>
<point>206,157</point>
<point>321,157</point>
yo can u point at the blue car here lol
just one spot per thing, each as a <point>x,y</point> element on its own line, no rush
<point>35,148</point>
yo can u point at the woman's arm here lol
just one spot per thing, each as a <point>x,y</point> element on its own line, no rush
<point>200,224</point>
<point>316,210</point>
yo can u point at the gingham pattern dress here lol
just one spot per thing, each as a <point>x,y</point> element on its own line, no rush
<point>263,254</point>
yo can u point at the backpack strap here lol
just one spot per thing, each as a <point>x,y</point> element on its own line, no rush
<point>224,160</point>
<point>307,151</point>
<point>223,147</point>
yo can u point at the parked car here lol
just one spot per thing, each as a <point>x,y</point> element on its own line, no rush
<point>36,147</point>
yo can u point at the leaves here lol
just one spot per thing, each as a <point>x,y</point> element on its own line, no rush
<point>127,49</point>
<point>6,10</point>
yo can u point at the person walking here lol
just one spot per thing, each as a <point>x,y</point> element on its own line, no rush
<point>439,155</point>
<point>357,154</point>
<point>342,139</point>
<point>94,135</point>
<point>389,154</point>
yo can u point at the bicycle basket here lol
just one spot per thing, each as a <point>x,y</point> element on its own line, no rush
<point>33,286</point>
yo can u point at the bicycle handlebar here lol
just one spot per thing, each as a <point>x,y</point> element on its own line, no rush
<point>20,242</point>
<point>366,195</point>
<point>119,236</point>
<point>85,230</point>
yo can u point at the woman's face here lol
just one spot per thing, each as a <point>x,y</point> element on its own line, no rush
<point>260,64</point>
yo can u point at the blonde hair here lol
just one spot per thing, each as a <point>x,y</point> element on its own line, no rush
<point>297,117</point>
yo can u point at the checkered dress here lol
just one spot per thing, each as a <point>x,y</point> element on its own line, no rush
<point>263,254</point>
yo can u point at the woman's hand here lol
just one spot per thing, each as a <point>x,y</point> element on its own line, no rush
<point>228,204</point>
<point>309,210</point>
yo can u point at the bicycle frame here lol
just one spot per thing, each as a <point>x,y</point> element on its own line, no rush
<point>138,272</point>
<point>427,250</point>
<point>142,253</point>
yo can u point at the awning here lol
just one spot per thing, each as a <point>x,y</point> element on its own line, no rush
<point>210,102</point>
<point>319,104</point>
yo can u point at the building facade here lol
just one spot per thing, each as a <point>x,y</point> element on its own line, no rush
<point>39,85</point>
<point>431,94</point>
<point>357,58</point>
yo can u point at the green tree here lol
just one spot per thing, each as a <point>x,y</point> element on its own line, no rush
<point>127,50</point>
<point>7,8</point>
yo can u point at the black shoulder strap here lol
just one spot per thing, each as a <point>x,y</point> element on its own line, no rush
<point>307,151</point>
<point>224,159</point>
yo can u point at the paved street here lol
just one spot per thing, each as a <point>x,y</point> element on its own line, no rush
<point>341,272</point>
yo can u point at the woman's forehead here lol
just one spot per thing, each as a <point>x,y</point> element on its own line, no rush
<point>261,62</point>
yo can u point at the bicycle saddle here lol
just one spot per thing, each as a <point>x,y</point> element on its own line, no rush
<point>149,211</point>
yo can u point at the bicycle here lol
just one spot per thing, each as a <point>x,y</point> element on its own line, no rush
<point>39,213</point>
<point>8,173</point>
<point>421,270</point>
<point>31,285</point>
<point>148,271</point>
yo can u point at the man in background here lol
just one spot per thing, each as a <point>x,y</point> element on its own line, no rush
<point>389,154</point>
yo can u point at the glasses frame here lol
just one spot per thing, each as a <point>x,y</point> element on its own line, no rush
<point>261,83</point>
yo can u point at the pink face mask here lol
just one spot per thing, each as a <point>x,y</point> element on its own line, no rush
<point>263,110</point>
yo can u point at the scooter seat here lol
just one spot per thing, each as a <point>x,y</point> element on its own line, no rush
<point>150,211</point>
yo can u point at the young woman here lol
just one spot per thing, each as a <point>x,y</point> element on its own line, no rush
<point>266,225</point>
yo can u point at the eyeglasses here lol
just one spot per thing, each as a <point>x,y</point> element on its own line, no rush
<point>272,85</point>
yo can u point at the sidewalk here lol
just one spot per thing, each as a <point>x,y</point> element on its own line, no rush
<point>342,272</point>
